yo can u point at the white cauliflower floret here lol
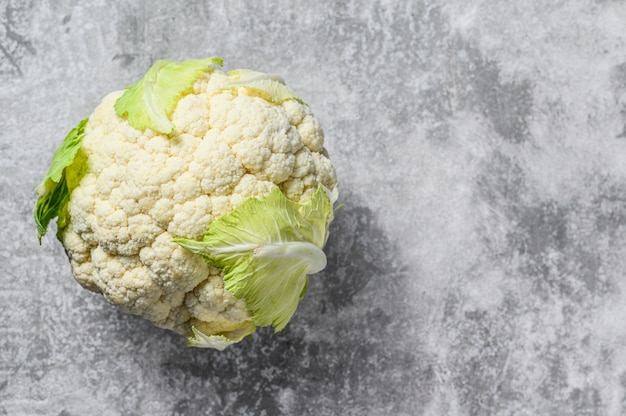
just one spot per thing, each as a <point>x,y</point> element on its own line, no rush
<point>140,189</point>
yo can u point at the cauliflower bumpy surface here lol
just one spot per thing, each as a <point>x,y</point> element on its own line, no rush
<point>135,191</point>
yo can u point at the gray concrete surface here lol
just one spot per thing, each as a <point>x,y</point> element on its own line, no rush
<point>476,269</point>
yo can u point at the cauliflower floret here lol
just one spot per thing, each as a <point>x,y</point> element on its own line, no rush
<point>142,189</point>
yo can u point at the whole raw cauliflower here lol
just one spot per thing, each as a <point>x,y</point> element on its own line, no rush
<point>137,186</point>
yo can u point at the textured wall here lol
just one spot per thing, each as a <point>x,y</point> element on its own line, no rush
<point>476,269</point>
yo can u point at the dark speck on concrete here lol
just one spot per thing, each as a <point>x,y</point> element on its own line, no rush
<point>124,59</point>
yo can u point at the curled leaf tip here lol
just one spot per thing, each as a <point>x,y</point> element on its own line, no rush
<point>270,87</point>
<point>218,342</point>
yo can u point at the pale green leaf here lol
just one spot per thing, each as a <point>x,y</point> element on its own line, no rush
<point>53,190</point>
<point>266,248</point>
<point>150,102</point>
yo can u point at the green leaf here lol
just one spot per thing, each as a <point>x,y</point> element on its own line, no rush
<point>53,190</point>
<point>149,103</point>
<point>271,88</point>
<point>266,248</point>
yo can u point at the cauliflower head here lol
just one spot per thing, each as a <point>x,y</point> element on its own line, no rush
<point>197,199</point>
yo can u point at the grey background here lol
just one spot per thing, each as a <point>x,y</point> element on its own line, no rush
<point>477,267</point>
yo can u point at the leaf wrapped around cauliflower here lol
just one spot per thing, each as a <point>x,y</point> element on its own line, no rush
<point>266,248</point>
<point>147,189</point>
<point>54,192</point>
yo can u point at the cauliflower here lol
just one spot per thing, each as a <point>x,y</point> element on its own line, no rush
<point>198,199</point>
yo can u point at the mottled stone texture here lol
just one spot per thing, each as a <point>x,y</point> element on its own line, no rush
<point>477,267</point>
